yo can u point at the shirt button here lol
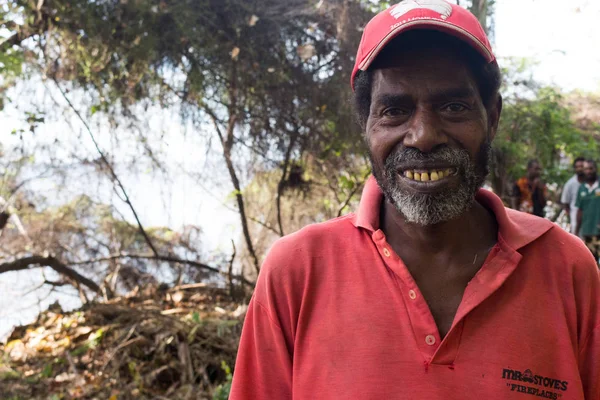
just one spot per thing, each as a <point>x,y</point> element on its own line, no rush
<point>412,294</point>
<point>430,340</point>
<point>386,252</point>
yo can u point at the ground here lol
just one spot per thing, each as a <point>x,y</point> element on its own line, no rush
<point>157,343</point>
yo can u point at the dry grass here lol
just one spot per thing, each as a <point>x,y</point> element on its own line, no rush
<point>155,344</point>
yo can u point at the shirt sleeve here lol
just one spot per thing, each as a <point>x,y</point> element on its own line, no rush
<point>589,365</point>
<point>586,282</point>
<point>263,370</point>
<point>264,365</point>
<point>567,194</point>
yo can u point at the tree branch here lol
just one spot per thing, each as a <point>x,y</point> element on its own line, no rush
<point>166,259</point>
<point>110,169</point>
<point>280,185</point>
<point>230,271</point>
<point>351,195</point>
<point>227,143</point>
<point>55,264</point>
<point>264,225</point>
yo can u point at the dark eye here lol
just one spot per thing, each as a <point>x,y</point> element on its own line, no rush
<point>394,112</point>
<point>454,108</point>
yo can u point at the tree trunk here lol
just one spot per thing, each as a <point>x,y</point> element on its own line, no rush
<point>227,143</point>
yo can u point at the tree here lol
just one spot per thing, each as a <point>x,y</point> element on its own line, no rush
<point>269,82</point>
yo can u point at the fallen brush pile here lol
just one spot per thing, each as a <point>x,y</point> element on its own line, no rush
<point>158,343</point>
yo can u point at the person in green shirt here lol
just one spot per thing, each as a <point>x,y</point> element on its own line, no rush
<point>588,203</point>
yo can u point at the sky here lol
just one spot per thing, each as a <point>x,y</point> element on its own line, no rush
<point>559,36</point>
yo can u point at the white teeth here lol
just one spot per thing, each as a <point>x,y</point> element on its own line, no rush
<point>433,175</point>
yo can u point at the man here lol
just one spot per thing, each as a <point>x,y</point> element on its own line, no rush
<point>588,204</point>
<point>529,192</point>
<point>432,290</point>
<point>570,190</point>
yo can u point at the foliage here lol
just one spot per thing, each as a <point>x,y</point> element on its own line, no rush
<point>222,391</point>
<point>272,79</point>
<point>536,123</point>
<point>542,128</point>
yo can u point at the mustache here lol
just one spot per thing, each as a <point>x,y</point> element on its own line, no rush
<point>410,157</point>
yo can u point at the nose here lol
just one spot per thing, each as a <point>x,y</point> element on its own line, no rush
<point>425,131</point>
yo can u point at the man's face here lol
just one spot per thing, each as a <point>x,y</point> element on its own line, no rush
<point>429,135</point>
<point>590,171</point>
<point>579,169</point>
<point>534,171</point>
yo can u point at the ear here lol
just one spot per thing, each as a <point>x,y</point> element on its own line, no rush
<point>494,117</point>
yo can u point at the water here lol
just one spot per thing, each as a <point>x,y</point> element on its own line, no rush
<point>24,297</point>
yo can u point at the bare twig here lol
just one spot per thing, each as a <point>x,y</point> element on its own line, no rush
<point>55,264</point>
<point>166,259</point>
<point>113,174</point>
<point>230,272</point>
<point>227,143</point>
<point>284,172</point>
<point>351,195</point>
<point>267,226</point>
<point>188,286</point>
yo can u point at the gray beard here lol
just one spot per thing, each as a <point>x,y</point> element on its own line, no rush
<point>430,209</point>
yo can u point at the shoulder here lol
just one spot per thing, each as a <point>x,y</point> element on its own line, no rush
<point>531,234</point>
<point>521,183</point>
<point>299,250</point>
<point>298,260</point>
<point>314,236</point>
<point>572,182</point>
<point>562,248</point>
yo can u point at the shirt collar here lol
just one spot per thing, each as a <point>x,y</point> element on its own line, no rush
<point>517,229</point>
<point>591,187</point>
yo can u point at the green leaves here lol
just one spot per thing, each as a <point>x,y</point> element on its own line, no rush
<point>537,123</point>
<point>222,391</point>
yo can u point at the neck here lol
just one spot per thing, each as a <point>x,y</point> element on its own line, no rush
<point>473,230</point>
<point>591,181</point>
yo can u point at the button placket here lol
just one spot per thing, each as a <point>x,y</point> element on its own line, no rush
<point>418,310</point>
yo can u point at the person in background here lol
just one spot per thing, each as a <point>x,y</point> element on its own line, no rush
<point>588,204</point>
<point>529,192</point>
<point>570,190</point>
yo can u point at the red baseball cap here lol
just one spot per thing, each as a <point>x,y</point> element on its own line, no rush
<point>420,14</point>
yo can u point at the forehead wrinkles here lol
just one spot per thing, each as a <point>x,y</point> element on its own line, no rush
<point>423,82</point>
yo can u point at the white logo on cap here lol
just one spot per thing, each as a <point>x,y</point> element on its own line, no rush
<point>405,6</point>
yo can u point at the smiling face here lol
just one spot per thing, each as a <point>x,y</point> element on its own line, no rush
<point>429,134</point>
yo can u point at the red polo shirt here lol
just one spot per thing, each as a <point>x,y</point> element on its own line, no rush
<point>337,315</point>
